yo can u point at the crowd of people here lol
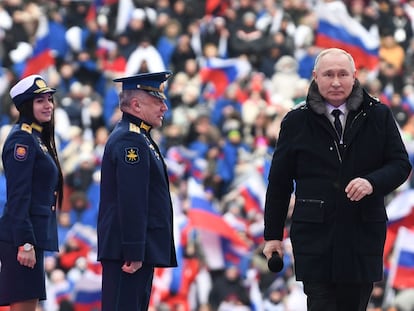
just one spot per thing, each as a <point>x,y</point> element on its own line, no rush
<point>218,136</point>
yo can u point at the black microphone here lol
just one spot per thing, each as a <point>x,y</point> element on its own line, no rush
<point>275,262</point>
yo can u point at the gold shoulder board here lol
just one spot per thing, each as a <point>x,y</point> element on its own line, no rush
<point>26,127</point>
<point>134,128</point>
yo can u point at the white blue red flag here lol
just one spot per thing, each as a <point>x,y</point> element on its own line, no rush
<point>402,270</point>
<point>339,29</point>
<point>42,55</point>
<point>221,72</point>
<point>400,212</point>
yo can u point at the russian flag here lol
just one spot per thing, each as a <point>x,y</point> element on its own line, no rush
<point>202,215</point>
<point>42,56</point>
<point>63,291</point>
<point>88,292</point>
<point>223,243</point>
<point>402,270</point>
<point>221,72</point>
<point>253,190</point>
<point>338,29</point>
<point>400,212</point>
<point>85,234</point>
<point>172,285</point>
<point>212,231</point>
<point>236,255</point>
<point>179,161</point>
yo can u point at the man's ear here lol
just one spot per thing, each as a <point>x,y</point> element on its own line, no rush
<point>135,104</point>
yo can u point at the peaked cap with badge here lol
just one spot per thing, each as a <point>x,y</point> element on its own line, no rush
<point>153,83</point>
<point>28,88</point>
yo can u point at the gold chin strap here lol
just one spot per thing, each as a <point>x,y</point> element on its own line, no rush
<point>147,88</point>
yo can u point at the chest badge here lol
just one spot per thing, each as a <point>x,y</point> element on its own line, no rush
<point>131,155</point>
<point>42,145</point>
<point>151,146</point>
<point>155,151</point>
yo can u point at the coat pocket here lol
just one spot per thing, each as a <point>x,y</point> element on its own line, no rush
<point>308,210</point>
<point>309,234</point>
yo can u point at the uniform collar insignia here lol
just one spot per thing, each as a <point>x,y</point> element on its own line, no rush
<point>145,126</point>
<point>37,127</point>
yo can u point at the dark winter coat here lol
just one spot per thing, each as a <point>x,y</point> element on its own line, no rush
<point>333,238</point>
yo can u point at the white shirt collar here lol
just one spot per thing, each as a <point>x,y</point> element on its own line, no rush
<point>330,108</point>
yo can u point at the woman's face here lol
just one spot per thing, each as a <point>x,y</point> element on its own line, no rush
<point>43,107</point>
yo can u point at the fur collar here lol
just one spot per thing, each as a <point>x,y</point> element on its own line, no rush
<point>317,103</point>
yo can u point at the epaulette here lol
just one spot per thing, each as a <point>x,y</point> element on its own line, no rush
<point>134,128</point>
<point>26,127</point>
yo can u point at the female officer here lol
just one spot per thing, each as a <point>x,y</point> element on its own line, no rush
<point>34,187</point>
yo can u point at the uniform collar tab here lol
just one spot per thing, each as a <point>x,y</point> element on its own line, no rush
<point>145,126</point>
<point>139,122</point>
<point>37,127</point>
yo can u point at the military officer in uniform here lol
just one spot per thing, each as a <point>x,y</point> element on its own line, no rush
<point>34,187</point>
<point>135,222</point>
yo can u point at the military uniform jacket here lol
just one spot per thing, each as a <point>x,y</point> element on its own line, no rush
<point>31,180</point>
<point>333,238</point>
<point>135,221</point>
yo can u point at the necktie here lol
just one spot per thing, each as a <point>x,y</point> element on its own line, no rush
<point>337,123</point>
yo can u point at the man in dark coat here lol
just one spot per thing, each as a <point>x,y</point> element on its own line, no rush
<point>135,222</point>
<point>339,178</point>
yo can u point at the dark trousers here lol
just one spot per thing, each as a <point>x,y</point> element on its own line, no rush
<point>325,296</point>
<point>123,291</point>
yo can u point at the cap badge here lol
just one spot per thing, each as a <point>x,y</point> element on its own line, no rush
<point>41,84</point>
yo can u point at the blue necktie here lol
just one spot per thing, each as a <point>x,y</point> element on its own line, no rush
<point>337,123</point>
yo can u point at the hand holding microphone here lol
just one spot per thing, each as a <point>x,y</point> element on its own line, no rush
<point>273,250</point>
<point>275,263</point>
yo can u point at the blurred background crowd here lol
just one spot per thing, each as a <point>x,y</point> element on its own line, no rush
<point>238,66</point>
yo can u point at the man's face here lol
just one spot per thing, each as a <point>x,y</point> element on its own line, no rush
<point>153,110</point>
<point>335,78</point>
